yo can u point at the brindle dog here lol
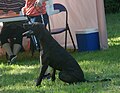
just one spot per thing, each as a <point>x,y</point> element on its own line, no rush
<point>57,57</point>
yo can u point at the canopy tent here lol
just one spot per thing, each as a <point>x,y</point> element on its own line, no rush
<point>83,14</point>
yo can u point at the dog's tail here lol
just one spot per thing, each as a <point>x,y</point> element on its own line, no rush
<point>101,80</point>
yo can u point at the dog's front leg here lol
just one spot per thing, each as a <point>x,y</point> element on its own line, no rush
<point>53,74</point>
<point>45,62</point>
<point>43,70</point>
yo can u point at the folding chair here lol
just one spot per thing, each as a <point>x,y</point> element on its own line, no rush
<point>66,29</point>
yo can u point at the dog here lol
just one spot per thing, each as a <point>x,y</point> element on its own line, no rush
<point>55,56</point>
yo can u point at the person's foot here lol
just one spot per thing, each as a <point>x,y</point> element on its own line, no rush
<point>12,59</point>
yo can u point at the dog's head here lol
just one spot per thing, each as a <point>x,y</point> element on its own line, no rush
<point>36,27</point>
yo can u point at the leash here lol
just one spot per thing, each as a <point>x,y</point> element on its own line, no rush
<point>34,39</point>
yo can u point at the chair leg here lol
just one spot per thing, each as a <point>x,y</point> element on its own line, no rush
<point>72,39</point>
<point>65,39</point>
<point>32,48</point>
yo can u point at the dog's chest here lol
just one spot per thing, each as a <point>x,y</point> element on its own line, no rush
<point>54,63</point>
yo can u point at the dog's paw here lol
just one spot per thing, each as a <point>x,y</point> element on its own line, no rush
<point>38,84</point>
<point>53,79</point>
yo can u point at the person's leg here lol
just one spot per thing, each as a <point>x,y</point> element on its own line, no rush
<point>7,48</point>
<point>16,48</point>
<point>9,52</point>
<point>18,39</point>
<point>46,19</point>
<point>13,32</point>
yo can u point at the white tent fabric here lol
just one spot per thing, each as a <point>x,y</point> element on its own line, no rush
<point>83,14</point>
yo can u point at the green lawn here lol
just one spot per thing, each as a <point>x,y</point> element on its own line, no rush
<point>20,78</point>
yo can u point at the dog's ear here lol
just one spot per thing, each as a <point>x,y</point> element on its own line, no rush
<point>37,27</point>
<point>34,26</point>
<point>27,26</point>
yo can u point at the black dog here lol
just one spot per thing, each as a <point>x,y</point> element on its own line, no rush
<point>57,57</point>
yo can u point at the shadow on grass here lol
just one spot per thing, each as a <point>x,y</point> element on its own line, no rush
<point>12,79</point>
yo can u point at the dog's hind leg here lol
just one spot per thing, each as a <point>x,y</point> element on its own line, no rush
<point>67,77</point>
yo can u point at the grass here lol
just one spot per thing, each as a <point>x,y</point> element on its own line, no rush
<point>19,78</point>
